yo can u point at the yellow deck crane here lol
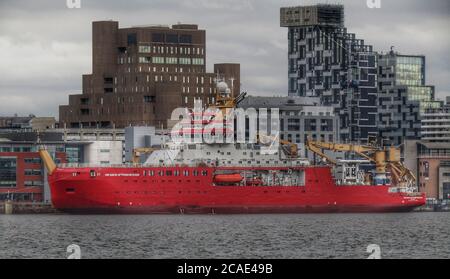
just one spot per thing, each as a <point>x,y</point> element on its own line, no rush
<point>292,148</point>
<point>138,152</point>
<point>385,159</point>
<point>49,164</point>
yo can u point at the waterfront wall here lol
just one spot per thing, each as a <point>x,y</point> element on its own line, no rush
<point>26,208</point>
<point>45,208</point>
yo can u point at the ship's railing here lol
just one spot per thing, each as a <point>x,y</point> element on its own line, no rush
<point>128,165</point>
<point>131,165</point>
<point>292,185</point>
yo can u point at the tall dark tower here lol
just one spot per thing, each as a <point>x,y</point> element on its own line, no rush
<point>328,62</point>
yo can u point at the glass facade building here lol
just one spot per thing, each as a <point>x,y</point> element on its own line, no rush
<point>410,70</point>
<point>425,95</point>
<point>403,97</point>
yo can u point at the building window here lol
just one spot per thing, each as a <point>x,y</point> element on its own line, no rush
<point>293,124</point>
<point>145,59</point>
<point>185,39</point>
<point>132,39</point>
<point>158,60</point>
<point>145,49</point>
<point>198,61</point>
<point>30,172</point>
<point>32,160</point>
<point>185,61</point>
<point>172,38</point>
<point>446,190</point>
<point>158,38</point>
<point>326,125</point>
<point>426,167</point>
<point>8,169</point>
<point>33,183</point>
<point>310,125</point>
<point>149,99</point>
<point>171,60</point>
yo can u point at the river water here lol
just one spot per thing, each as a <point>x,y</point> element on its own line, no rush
<point>409,235</point>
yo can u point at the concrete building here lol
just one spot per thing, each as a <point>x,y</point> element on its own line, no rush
<point>436,125</point>
<point>141,74</point>
<point>31,123</point>
<point>429,158</point>
<point>402,97</point>
<point>104,153</point>
<point>43,123</point>
<point>16,122</point>
<point>328,62</point>
<point>300,118</point>
<point>142,137</point>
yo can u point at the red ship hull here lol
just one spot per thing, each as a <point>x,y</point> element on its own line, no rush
<point>133,191</point>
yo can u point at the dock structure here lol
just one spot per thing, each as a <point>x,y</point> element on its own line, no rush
<point>10,207</point>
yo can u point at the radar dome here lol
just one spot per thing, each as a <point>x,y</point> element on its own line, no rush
<point>222,86</point>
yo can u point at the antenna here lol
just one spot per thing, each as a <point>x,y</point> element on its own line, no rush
<point>232,86</point>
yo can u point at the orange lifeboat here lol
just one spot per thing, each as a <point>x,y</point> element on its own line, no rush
<point>228,178</point>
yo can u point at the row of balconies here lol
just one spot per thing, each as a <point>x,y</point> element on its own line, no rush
<point>425,114</point>
<point>427,132</point>
<point>436,126</point>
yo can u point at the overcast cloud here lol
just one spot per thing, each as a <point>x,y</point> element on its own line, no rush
<point>46,47</point>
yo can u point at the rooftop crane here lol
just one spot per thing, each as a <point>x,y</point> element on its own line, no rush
<point>385,159</point>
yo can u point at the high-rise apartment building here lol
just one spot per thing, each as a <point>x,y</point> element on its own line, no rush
<point>403,97</point>
<point>141,74</point>
<point>328,62</point>
<point>436,125</point>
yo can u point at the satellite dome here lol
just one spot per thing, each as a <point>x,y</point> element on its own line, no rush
<point>222,86</point>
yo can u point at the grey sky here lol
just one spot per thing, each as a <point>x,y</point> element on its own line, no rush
<point>46,47</point>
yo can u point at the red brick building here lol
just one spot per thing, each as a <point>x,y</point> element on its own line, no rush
<point>22,176</point>
<point>434,169</point>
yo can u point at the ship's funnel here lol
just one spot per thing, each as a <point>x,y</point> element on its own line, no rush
<point>48,161</point>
